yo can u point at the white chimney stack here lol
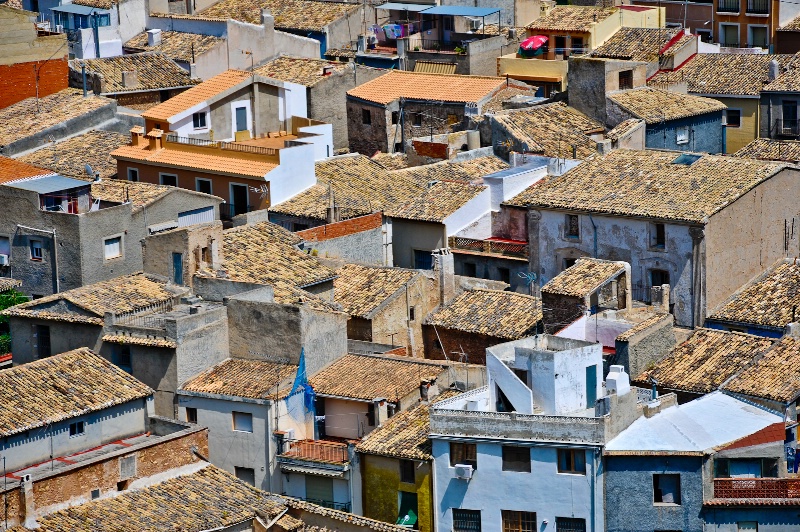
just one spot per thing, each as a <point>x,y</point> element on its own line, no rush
<point>153,37</point>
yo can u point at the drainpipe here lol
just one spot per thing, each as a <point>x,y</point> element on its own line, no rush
<point>95,19</point>
<point>595,235</point>
<point>83,73</point>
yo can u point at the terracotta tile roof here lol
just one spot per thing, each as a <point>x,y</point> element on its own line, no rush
<point>61,387</point>
<point>437,202</point>
<point>89,303</point>
<point>435,67</point>
<point>391,161</point>
<point>222,161</point>
<point>649,184</point>
<point>196,95</point>
<point>207,499</point>
<point>643,326</point>
<point>792,25</point>
<point>22,119</point>
<point>583,277</point>
<point>125,339</point>
<point>397,84</point>
<point>176,45</point>
<point>571,18</point>
<point>340,52</point>
<point>469,171</point>
<point>622,129</point>
<point>360,186</point>
<point>494,313</point>
<point>751,502</point>
<point>154,71</point>
<point>12,170</point>
<point>705,361</point>
<point>253,379</point>
<point>7,283</point>
<point>404,435</point>
<point>655,105</point>
<point>16,4</point>
<point>305,15</point>
<point>70,157</point>
<point>635,44</point>
<point>300,70</point>
<point>771,150</point>
<point>767,300</point>
<point>139,193</point>
<point>775,376</point>
<point>346,517</point>
<point>789,78</point>
<point>552,129</point>
<point>372,376</point>
<point>100,4</point>
<point>362,290</point>
<point>723,74</point>
<point>495,105</point>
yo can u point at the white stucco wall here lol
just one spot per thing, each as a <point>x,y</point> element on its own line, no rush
<point>516,391</point>
<point>294,175</point>
<point>471,211</point>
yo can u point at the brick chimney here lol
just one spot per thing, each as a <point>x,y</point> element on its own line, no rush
<point>129,79</point>
<point>137,136</point>
<point>155,139</point>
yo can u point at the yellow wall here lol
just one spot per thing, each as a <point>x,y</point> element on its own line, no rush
<point>381,482</point>
<point>739,137</point>
<point>525,69</point>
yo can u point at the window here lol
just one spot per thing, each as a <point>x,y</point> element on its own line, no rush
<point>746,468</point>
<point>191,415</point>
<point>705,35</point>
<point>42,333</point>
<point>199,120</point>
<point>733,118</point>
<point>36,249</point>
<point>203,185</point>
<point>730,32</point>
<point>516,459</point>
<point>398,147</point>
<point>246,474</point>
<point>77,429</point>
<point>417,119</point>
<point>505,275</point>
<point>666,489</point>
<point>423,260</point>
<point>407,471</point>
<point>470,269</point>
<point>395,117</point>
<point>371,414</point>
<point>112,247</point>
<point>572,461</point>
<point>659,277</point>
<point>366,117</point>
<point>570,524</point>
<point>448,23</point>
<point>658,236</point>
<point>569,263</point>
<point>682,135</point>
<point>411,313</point>
<point>514,521</point>
<point>463,453</point>
<point>572,227</point>
<point>241,118</point>
<point>466,520</point>
<point>133,174</point>
<point>169,179</point>
<point>758,36</point>
<point>95,494</point>
<point>626,80</point>
<point>242,422</point>
<point>122,357</point>
<point>408,509</point>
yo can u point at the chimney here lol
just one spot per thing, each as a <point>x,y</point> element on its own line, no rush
<point>137,136</point>
<point>333,209</point>
<point>444,265</point>
<point>381,409</point>
<point>129,79</point>
<point>153,37</point>
<point>428,389</point>
<point>28,506</point>
<point>155,139</point>
<point>774,70</point>
<point>193,70</point>
<point>327,70</point>
<point>792,329</point>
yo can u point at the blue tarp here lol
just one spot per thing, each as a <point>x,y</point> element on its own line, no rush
<point>462,11</point>
<point>301,384</point>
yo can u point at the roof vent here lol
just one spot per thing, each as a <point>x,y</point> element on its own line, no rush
<point>153,37</point>
<point>774,70</point>
<point>432,183</point>
<point>687,159</point>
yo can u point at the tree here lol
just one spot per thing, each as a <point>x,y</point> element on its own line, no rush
<point>9,298</point>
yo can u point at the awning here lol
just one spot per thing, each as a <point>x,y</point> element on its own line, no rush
<point>397,6</point>
<point>78,9</point>
<point>312,471</point>
<point>462,11</point>
<point>48,184</point>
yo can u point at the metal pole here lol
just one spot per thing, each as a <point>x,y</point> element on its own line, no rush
<point>83,73</point>
<point>96,24</point>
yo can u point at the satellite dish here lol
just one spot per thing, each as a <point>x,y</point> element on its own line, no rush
<point>88,170</point>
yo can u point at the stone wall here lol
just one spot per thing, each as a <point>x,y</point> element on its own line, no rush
<point>645,348</point>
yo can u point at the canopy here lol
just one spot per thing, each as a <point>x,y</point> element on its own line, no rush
<point>532,43</point>
<point>49,184</point>
<point>78,9</point>
<point>397,6</point>
<point>462,11</point>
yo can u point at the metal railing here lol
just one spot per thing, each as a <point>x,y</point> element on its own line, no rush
<point>230,146</point>
<point>509,249</point>
<point>758,7</point>
<point>728,6</point>
<point>438,45</point>
<point>342,506</point>
<point>317,451</point>
<point>641,293</point>
<point>228,210</point>
<point>787,128</point>
<point>146,317</point>
<point>575,50</point>
<point>757,488</point>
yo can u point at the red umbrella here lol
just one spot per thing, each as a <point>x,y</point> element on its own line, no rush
<point>532,43</point>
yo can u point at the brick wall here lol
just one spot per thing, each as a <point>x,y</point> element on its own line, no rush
<point>18,81</point>
<point>453,342</point>
<point>344,228</point>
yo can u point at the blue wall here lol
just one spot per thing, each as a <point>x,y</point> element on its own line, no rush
<point>708,135</point>
<point>629,494</point>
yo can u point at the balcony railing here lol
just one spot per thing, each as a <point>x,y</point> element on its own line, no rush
<point>342,506</point>
<point>440,46</point>
<point>757,488</point>
<point>228,210</point>
<point>758,7</point>
<point>728,6</point>
<point>230,146</point>
<point>509,249</point>
<point>787,128</point>
<point>317,451</point>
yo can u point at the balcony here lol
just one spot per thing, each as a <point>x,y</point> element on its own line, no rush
<point>502,247</point>
<point>327,452</point>
<point>757,488</point>
<point>728,6</point>
<point>787,128</point>
<point>758,7</point>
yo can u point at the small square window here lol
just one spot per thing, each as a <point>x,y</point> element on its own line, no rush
<point>572,461</point>
<point>463,453</point>
<point>246,474</point>
<point>169,180</point>
<point>36,249</point>
<point>514,521</point>
<point>395,117</point>
<point>733,118</point>
<point>122,357</point>
<point>199,120</point>
<point>411,313</point>
<point>366,117</point>
<point>78,428</point>
<point>191,415</point>
<point>572,228</point>
<point>407,471</point>
<point>242,422</point>
<point>516,459</point>
<point>112,248</point>
<point>417,119</point>
<point>203,185</point>
<point>95,494</point>
<point>133,174</point>
<point>658,236</point>
<point>398,147</point>
<point>666,489</point>
<point>626,80</point>
<point>682,135</point>
<point>466,520</point>
<point>570,524</point>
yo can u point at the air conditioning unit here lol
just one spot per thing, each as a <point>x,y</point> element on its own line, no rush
<point>463,471</point>
<point>3,260</point>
